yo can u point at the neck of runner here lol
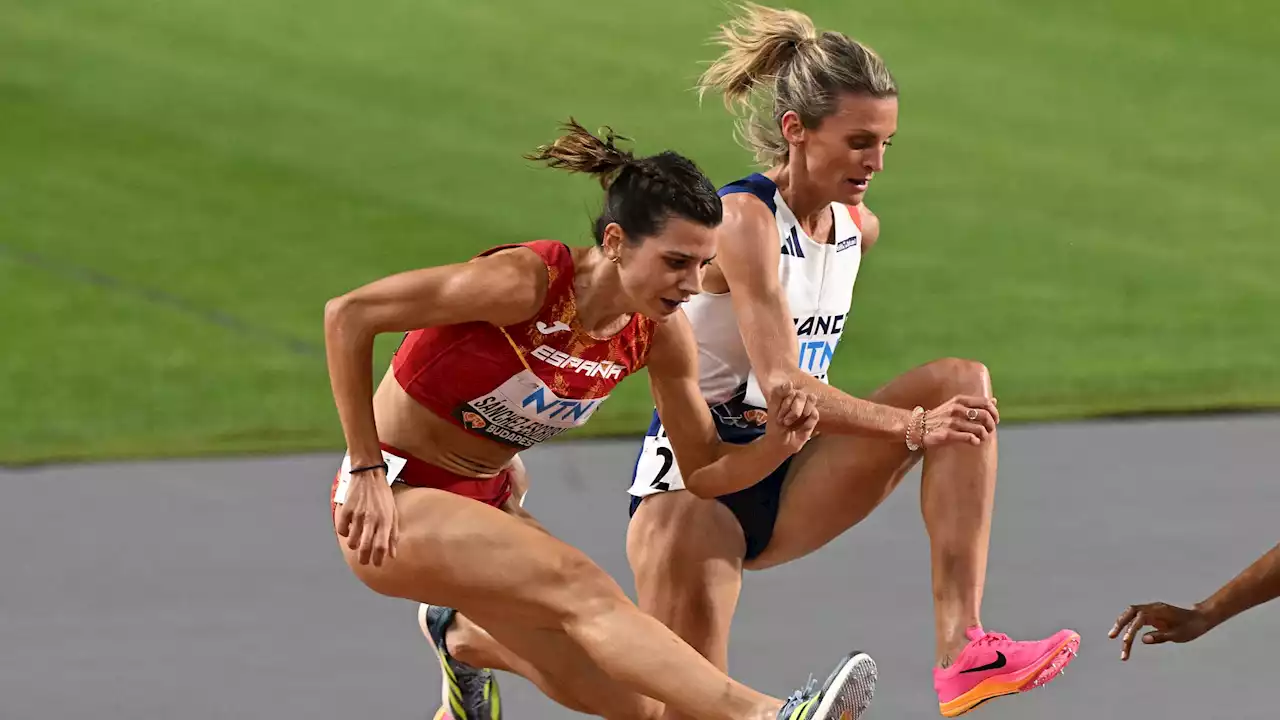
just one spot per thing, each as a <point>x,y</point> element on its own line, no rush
<point>603,306</point>
<point>802,196</point>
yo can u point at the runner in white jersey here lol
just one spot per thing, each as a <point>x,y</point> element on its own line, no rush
<point>774,306</point>
<point>816,280</point>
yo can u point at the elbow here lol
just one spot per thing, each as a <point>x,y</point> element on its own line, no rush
<point>336,311</point>
<point>341,319</point>
<point>704,482</point>
<point>697,484</point>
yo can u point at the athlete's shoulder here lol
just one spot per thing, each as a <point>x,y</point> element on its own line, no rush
<point>547,252</point>
<point>533,270</point>
<point>755,186</point>
<point>750,206</point>
<point>868,224</point>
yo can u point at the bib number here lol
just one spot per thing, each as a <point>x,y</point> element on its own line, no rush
<point>656,472</point>
<point>394,466</point>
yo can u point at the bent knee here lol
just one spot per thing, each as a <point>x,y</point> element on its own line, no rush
<point>383,580</point>
<point>960,376</point>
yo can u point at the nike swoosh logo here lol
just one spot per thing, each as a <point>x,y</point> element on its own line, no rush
<point>552,329</point>
<point>999,662</point>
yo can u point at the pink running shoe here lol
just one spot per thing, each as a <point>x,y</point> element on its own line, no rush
<point>992,665</point>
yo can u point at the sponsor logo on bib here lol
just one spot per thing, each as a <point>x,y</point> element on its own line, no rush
<point>523,412</point>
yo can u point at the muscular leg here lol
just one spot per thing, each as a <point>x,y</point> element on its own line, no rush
<point>473,645</point>
<point>470,643</point>
<point>567,675</point>
<point>836,481</point>
<point>686,554</point>
<point>570,614</point>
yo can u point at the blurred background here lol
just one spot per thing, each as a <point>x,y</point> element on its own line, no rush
<point>1081,195</point>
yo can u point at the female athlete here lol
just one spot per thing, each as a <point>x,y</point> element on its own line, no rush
<point>506,351</point>
<point>775,305</point>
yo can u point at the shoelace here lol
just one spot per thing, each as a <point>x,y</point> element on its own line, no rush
<point>809,686</point>
<point>799,695</point>
<point>992,638</point>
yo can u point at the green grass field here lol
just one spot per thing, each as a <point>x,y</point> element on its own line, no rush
<point>1080,195</point>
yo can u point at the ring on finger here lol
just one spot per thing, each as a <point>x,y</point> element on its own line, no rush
<point>972,414</point>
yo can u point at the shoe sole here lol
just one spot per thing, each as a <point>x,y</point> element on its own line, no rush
<point>446,707</point>
<point>1040,673</point>
<point>849,690</point>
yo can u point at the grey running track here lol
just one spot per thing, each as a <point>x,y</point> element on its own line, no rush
<point>214,589</point>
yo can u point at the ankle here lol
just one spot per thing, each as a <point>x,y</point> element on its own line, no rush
<point>462,642</point>
<point>951,642</point>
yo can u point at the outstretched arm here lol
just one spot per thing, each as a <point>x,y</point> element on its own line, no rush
<point>710,466</point>
<point>503,288</point>
<point>748,256</point>
<point>1257,584</point>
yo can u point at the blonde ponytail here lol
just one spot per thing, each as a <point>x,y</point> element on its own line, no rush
<point>760,44</point>
<point>776,61</point>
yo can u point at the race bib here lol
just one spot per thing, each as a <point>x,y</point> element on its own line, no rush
<point>394,466</point>
<point>523,412</point>
<point>656,471</point>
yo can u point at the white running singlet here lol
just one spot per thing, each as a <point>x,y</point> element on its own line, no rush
<point>817,280</point>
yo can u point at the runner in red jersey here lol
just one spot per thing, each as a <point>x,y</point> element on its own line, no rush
<point>510,349</point>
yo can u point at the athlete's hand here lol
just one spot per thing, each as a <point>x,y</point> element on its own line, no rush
<point>962,419</point>
<point>1171,623</point>
<point>368,517</point>
<point>793,416</point>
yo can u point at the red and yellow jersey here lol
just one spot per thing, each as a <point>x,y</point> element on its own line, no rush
<point>525,383</point>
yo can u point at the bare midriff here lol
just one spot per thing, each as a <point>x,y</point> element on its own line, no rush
<point>407,425</point>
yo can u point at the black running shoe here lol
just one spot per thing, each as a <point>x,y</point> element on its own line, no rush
<point>468,693</point>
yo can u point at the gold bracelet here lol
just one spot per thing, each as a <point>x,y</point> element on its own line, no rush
<point>917,412</point>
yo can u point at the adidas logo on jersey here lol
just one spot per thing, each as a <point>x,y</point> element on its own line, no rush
<point>591,368</point>
<point>791,245</point>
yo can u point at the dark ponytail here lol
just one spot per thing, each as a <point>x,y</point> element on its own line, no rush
<point>581,152</point>
<point>640,193</point>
